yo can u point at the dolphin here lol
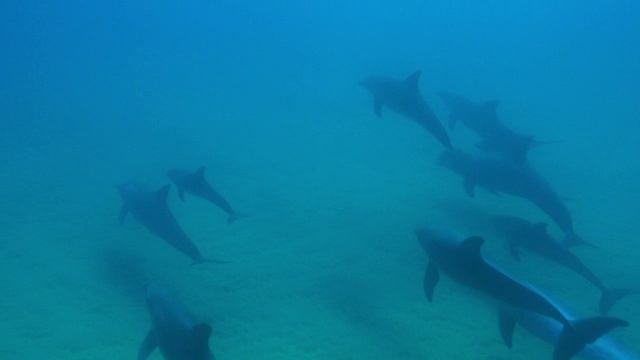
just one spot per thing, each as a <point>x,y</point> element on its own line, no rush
<point>173,329</point>
<point>500,173</point>
<point>483,120</point>
<point>547,329</point>
<point>461,259</point>
<point>404,98</point>
<point>520,233</point>
<point>150,209</point>
<point>196,185</point>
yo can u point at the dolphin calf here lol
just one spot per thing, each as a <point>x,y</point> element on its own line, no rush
<point>196,185</point>
<point>150,209</point>
<point>461,259</point>
<point>547,329</point>
<point>520,233</point>
<point>500,173</point>
<point>483,120</point>
<point>173,329</point>
<point>404,98</point>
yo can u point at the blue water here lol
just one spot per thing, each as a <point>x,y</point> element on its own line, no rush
<point>265,95</point>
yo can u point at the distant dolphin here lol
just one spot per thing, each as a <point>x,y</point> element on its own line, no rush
<point>151,210</point>
<point>196,185</point>
<point>548,329</point>
<point>483,120</point>
<point>403,97</point>
<point>461,259</point>
<point>500,173</point>
<point>173,329</point>
<point>521,233</point>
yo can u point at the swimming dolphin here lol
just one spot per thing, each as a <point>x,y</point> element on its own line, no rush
<point>196,185</point>
<point>461,259</point>
<point>150,209</point>
<point>483,120</point>
<point>500,173</point>
<point>173,329</point>
<point>520,233</point>
<point>404,98</point>
<point>547,329</point>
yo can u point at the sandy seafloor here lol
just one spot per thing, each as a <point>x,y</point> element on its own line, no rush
<point>326,267</point>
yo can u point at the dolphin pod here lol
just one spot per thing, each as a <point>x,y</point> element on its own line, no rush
<point>461,259</point>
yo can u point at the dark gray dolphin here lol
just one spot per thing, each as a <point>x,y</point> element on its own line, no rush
<point>500,173</point>
<point>520,233</point>
<point>150,209</point>
<point>195,184</point>
<point>461,259</point>
<point>483,120</point>
<point>404,98</point>
<point>549,330</point>
<point>173,329</point>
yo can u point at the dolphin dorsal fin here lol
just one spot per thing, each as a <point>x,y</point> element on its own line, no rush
<point>540,227</point>
<point>471,246</point>
<point>200,172</point>
<point>412,80</point>
<point>161,195</point>
<point>491,106</point>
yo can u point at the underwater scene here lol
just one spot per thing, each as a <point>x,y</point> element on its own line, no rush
<point>319,180</point>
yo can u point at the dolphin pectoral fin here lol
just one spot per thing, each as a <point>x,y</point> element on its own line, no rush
<point>181,192</point>
<point>611,296</point>
<point>200,172</point>
<point>513,251</point>
<point>507,325</point>
<point>123,213</point>
<point>377,107</point>
<point>149,344</point>
<point>469,187</point>
<point>581,332</point>
<point>431,277</point>
<point>412,81</point>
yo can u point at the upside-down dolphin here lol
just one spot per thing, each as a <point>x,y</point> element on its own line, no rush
<point>195,184</point>
<point>150,209</point>
<point>404,98</point>
<point>461,259</point>
<point>173,329</point>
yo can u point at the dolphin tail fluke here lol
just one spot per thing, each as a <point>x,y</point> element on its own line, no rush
<point>581,332</point>
<point>572,239</point>
<point>235,216</point>
<point>611,296</point>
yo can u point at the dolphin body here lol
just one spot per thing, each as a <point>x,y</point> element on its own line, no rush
<point>173,329</point>
<point>150,209</point>
<point>196,185</point>
<point>404,98</point>
<point>500,173</point>
<point>483,120</point>
<point>461,259</point>
<point>547,329</point>
<point>520,233</point>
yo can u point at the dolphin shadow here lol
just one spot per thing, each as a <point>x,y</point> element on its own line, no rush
<point>124,271</point>
<point>353,301</point>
